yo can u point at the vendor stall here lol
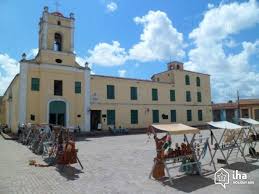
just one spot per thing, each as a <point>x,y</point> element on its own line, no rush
<point>231,139</point>
<point>186,155</point>
<point>252,136</point>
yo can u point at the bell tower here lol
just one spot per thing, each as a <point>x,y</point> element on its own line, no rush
<point>56,38</point>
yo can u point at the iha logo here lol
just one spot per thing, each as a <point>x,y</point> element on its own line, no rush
<point>221,177</point>
<point>239,176</point>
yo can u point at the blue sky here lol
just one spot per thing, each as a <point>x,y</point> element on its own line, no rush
<point>134,38</point>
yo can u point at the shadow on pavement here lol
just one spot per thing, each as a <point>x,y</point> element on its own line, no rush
<point>242,166</point>
<point>189,183</point>
<point>69,172</point>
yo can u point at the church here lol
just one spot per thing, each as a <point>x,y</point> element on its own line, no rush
<point>53,88</point>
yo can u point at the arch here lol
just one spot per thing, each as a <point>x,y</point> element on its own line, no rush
<point>198,81</point>
<point>57,42</point>
<point>58,109</point>
<point>187,79</point>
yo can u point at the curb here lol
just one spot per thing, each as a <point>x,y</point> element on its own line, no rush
<point>7,137</point>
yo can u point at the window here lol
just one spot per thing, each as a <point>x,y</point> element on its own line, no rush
<point>189,115</point>
<point>134,116</point>
<point>188,96</point>
<point>35,84</point>
<point>58,88</point>
<point>187,80</point>
<point>78,87</point>
<point>57,42</point>
<point>198,81</point>
<point>154,94</point>
<point>244,113</point>
<point>199,115</point>
<point>199,96</point>
<point>173,115</point>
<point>110,92</point>
<point>155,114</point>
<point>110,117</point>
<point>133,93</point>
<point>59,23</point>
<point>58,61</point>
<point>172,95</point>
<point>32,117</point>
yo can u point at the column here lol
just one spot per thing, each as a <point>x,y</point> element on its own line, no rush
<point>87,100</point>
<point>23,92</point>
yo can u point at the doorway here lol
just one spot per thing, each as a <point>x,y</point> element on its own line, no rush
<point>95,119</point>
<point>57,113</point>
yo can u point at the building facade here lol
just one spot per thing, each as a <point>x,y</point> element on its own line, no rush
<point>175,95</point>
<point>53,88</point>
<point>248,108</point>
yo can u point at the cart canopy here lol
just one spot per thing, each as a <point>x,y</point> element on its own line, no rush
<point>224,125</point>
<point>176,129</point>
<point>250,121</point>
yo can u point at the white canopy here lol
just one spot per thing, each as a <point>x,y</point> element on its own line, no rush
<point>250,121</point>
<point>176,129</point>
<point>224,125</point>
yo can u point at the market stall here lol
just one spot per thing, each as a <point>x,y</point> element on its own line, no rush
<point>231,139</point>
<point>185,155</point>
<point>56,144</point>
<point>252,136</point>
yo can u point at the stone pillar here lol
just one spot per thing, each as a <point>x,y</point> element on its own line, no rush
<point>87,100</point>
<point>23,92</point>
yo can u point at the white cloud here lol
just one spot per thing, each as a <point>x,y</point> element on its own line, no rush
<point>210,5</point>
<point>122,73</point>
<point>112,7</point>
<point>8,69</point>
<point>159,39</point>
<point>105,54</point>
<point>33,53</point>
<point>229,71</point>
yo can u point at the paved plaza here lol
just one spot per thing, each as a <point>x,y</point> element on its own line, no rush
<point>112,164</point>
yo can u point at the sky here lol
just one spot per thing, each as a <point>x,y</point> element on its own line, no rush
<point>136,39</point>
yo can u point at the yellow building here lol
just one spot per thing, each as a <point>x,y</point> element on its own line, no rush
<point>175,95</point>
<point>2,111</point>
<point>53,88</point>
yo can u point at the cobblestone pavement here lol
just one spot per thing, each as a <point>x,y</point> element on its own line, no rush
<point>115,164</point>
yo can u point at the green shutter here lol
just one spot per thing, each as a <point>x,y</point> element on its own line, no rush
<point>155,116</point>
<point>188,96</point>
<point>154,94</point>
<point>133,93</point>
<point>198,81</point>
<point>110,117</point>
<point>134,116</point>
<point>200,115</point>
<point>189,115</point>
<point>110,92</point>
<point>199,96</point>
<point>187,80</point>
<point>35,84</point>
<point>78,87</point>
<point>172,95</point>
<point>173,115</point>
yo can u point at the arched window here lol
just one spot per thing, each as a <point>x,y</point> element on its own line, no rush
<point>187,80</point>
<point>198,81</point>
<point>178,67</point>
<point>57,42</point>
